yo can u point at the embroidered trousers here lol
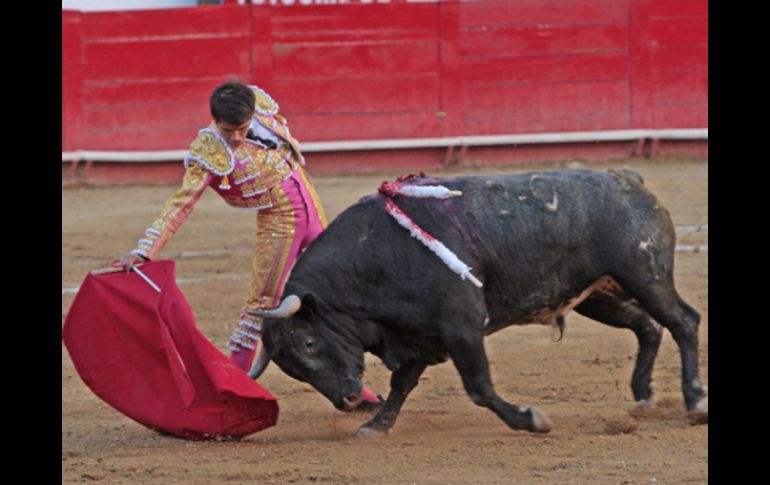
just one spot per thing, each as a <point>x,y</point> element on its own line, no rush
<point>283,231</point>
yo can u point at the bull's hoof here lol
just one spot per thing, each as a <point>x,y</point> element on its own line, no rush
<point>643,404</point>
<point>642,408</point>
<point>700,413</point>
<point>367,432</point>
<point>540,423</point>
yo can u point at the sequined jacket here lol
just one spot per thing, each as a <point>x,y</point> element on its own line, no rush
<point>243,177</point>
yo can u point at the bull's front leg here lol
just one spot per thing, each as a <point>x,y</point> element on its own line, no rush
<point>469,357</point>
<point>402,382</point>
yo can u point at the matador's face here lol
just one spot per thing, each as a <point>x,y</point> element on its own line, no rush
<point>233,134</point>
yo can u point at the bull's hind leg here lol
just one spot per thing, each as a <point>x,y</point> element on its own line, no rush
<point>660,299</point>
<point>466,347</point>
<point>402,382</point>
<point>621,311</point>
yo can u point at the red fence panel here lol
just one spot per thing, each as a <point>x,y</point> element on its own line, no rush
<point>357,71</point>
<point>140,80</point>
<point>670,59</point>
<point>544,66</point>
<point>148,73</point>
<point>71,81</point>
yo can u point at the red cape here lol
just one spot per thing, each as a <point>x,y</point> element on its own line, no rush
<point>140,351</point>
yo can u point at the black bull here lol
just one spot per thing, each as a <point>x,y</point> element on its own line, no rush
<point>541,243</point>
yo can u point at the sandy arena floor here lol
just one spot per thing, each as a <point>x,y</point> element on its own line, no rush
<point>441,437</point>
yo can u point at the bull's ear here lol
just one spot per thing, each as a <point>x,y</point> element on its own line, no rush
<point>309,309</point>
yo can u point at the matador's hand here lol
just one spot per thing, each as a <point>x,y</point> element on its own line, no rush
<point>129,260</point>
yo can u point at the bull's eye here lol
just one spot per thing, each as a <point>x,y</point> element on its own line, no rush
<point>309,344</point>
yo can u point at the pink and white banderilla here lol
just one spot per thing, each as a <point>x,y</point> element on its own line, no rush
<point>448,257</point>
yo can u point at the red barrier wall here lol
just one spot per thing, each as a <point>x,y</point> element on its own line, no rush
<point>139,80</point>
<point>669,58</point>
<point>72,82</point>
<point>357,71</point>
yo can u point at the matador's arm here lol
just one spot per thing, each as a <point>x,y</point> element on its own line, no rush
<point>175,211</point>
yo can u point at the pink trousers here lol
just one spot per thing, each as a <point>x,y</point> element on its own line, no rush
<point>283,231</point>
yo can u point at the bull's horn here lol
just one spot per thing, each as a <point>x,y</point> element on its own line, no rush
<point>289,306</point>
<point>260,362</point>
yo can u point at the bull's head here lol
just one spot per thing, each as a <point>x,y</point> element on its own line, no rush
<point>310,347</point>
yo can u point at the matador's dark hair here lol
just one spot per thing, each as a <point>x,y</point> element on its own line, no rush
<point>232,102</point>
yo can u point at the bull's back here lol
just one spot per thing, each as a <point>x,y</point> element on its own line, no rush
<point>568,211</point>
<point>540,239</point>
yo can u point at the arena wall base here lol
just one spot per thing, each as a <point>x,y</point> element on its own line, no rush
<point>121,173</point>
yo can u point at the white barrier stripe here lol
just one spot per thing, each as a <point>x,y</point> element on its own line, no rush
<point>125,156</point>
<point>689,229</point>
<point>70,156</point>
<point>400,143</point>
<point>214,252</point>
<point>690,248</point>
<point>181,255</point>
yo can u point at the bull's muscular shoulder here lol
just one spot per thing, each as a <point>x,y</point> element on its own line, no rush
<point>211,151</point>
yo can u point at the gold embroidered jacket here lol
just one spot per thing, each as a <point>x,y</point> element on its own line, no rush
<point>243,177</point>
